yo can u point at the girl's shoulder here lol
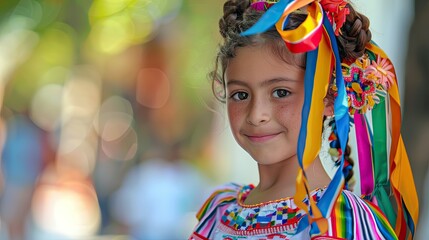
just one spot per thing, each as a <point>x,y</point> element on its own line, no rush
<point>220,196</point>
<point>220,199</point>
<point>354,217</point>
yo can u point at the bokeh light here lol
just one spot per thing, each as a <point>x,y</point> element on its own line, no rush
<point>101,89</point>
<point>45,108</point>
<point>121,23</point>
<point>114,118</point>
<point>153,88</point>
<point>124,148</point>
<point>114,126</point>
<point>82,159</point>
<point>114,34</point>
<point>68,207</point>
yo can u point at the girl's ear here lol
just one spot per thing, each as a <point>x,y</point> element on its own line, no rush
<point>329,107</point>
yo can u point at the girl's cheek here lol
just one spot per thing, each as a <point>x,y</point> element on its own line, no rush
<point>235,112</point>
<point>287,113</point>
<point>283,108</point>
<point>231,111</point>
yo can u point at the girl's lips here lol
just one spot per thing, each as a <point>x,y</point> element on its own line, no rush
<point>262,138</point>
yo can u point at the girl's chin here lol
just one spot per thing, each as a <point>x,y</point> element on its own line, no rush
<point>267,161</point>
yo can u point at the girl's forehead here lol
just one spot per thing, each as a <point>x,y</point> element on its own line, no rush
<point>257,60</point>
<point>273,50</point>
<point>259,67</point>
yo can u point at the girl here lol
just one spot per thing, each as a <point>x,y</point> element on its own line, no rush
<point>288,75</point>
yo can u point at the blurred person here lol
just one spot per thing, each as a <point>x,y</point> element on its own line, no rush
<point>158,196</point>
<point>21,164</point>
<point>291,107</point>
<point>416,102</point>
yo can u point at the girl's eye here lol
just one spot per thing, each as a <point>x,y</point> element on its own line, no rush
<point>280,93</point>
<point>240,96</point>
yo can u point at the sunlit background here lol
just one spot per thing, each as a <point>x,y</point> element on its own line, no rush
<point>108,126</point>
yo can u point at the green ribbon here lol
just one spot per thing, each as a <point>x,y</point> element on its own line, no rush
<point>381,160</point>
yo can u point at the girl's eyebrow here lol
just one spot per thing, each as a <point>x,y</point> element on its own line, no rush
<point>264,83</point>
<point>236,82</point>
<point>277,80</point>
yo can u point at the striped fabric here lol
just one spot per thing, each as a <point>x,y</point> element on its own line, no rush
<point>224,216</point>
<point>213,208</point>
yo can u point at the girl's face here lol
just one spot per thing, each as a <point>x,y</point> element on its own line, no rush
<point>265,96</point>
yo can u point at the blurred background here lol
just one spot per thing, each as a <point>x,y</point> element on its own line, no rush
<point>108,125</point>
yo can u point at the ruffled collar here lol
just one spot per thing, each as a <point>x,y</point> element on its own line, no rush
<point>280,215</point>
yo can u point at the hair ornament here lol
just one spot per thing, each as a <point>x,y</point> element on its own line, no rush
<point>337,12</point>
<point>262,5</point>
<point>361,85</point>
<point>381,71</point>
<point>367,79</point>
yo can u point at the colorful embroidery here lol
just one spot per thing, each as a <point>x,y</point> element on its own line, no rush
<point>352,218</point>
<point>381,71</point>
<point>360,90</point>
<point>282,212</point>
<point>366,82</point>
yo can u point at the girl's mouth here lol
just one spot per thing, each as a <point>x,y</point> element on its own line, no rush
<point>261,138</point>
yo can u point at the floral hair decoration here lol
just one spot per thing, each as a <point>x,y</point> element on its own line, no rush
<point>366,111</point>
<point>366,82</point>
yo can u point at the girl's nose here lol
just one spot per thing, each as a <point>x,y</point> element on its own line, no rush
<point>259,113</point>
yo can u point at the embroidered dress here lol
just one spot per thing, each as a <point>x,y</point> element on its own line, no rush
<point>225,216</point>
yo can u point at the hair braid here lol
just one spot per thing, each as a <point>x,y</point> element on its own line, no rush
<point>351,163</point>
<point>233,15</point>
<point>355,34</point>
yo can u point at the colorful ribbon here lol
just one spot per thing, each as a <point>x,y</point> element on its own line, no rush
<point>316,37</point>
<point>308,35</point>
<point>400,173</point>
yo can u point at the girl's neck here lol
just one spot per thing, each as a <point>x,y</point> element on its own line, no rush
<point>278,180</point>
<point>279,174</point>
